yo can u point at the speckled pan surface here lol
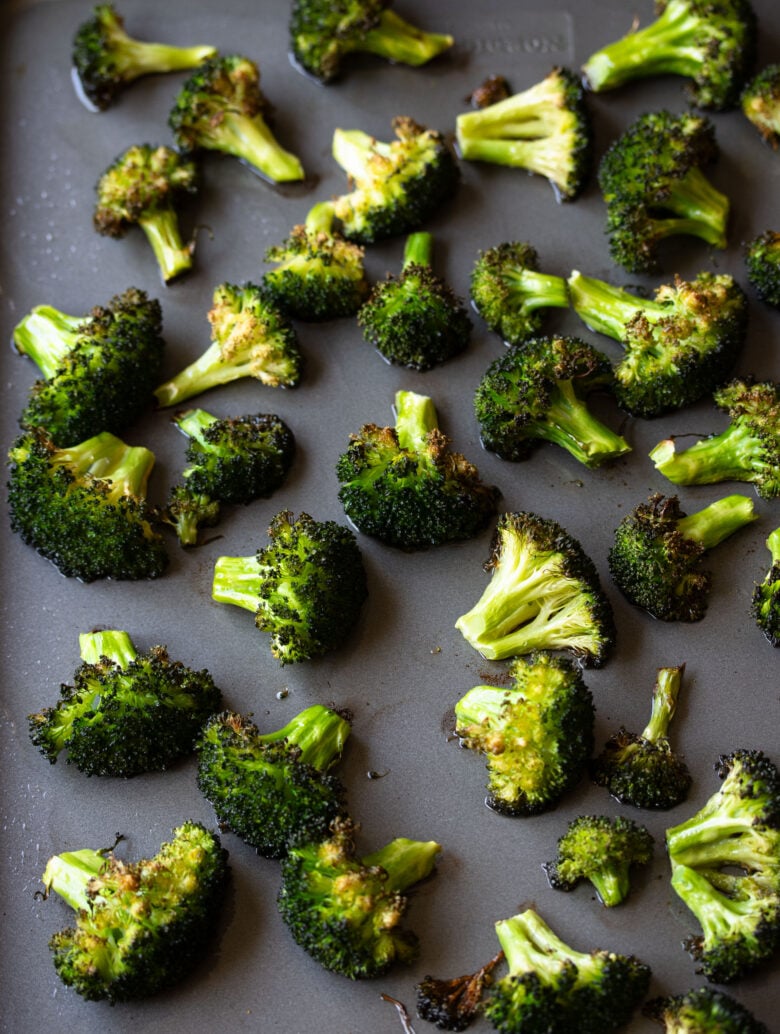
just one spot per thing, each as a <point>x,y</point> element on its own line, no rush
<point>405,666</point>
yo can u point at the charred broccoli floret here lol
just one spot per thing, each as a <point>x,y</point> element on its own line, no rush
<point>765,604</point>
<point>655,559</point>
<point>762,260</point>
<point>126,712</point>
<point>678,347</point>
<point>84,507</point>
<point>454,1004</point>
<point>703,1011</point>
<point>305,588</point>
<point>107,60</point>
<point>536,735</point>
<point>760,102</point>
<point>403,485</point>
<point>140,926</point>
<point>535,392</point>
<point>222,108</point>
<point>545,129</point>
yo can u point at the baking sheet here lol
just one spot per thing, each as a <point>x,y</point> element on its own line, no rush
<point>405,666</point>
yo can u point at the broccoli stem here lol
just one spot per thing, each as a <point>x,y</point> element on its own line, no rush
<point>114,645</point>
<point>107,457</point>
<point>405,861</point>
<point>319,732</point>
<point>352,150</point>
<point>134,58</point>
<point>530,945</point>
<point>418,250</point>
<point>773,545</point>
<point>569,423</point>
<point>162,232</point>
<point>530,290</point>
<point>717,521</point>
<point>397,40</point>
<point>665,693</point>
<point>539,155</point>
<point>47,335</point>
<point>218,365</point>
<point>732,455</point>
<point>415,418</point>
<point>718,843</point>
<point>238,580</point>
<point>703,208</point>
<point>252,141</point>
<point>607,309</point>
<point>194,423</point>
<point>611,885</point>
<point>69,875</point>
<point>718,915</point>
<point>320,218</point>
<point>525,115</point>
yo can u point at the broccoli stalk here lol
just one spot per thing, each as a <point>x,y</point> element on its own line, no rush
<point>765,604</point>
<point>48,336</point>
<point>716,522</point>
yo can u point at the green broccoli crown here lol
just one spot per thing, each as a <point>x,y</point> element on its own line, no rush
<point>305,588</point>
<point>454,1004</point>
<point>404,486</point>
<point>552,987</point>
<point>324,32</point>
<point>710,42</point>
<point>84,507</point>
<point>678,347</point>
<point>536,735</point>
<point>703,1011</point>
<point>600,850</point>
<point>106,59</point>
<point>510,294</point>
<point>765,603</point>
<point>760,103</point>
<point>415,319</point>
<point>346,911</point>
<point>140,926</point>
<point>545,129</point>
<point>397,186</point>
<point>544,594</point>
<point>762,260</point>
<point>655,559</point>
<point>273,789</point>
<point>99,370</point>
<point>222,108</point>
<point>126,713</point>
<point>535,392</point>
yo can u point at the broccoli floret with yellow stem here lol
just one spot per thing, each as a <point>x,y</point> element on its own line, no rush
<point>762,261</point>
<point>140,926</point>
<point>760,103</point>
<point>765,603</point>
<point>107,60</point>
<point>703,1011</point>
<point>222,108</point>
<point>345,911</point>
<point>454,1004</point>
<point>324,32</point>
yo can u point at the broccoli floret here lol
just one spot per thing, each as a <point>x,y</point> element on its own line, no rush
<point>748,450</point>
<point>545,129</point>
<point>396,186</point>
<point>346,911</point>
<point>98,370</point>
<point>678,347</point>
<point>652,181</point>
<point>510,293</point>
<point>415,319</point>
<point>711,42</point>
<point>140,926</point>
<point>319,275</point>
<point>84,507</point>
<point>600,850</point>
<point>762,260</point>
<point>760,102</point>
<point>643,770</point>
<point>537,735</point>
<point>273,788</point>
<point>454,1004</point>
<point>324,32</point>
<point>703,1011</point>
<point>544,594</point>
<point>126,712</point>
<point>107,60</point>
<point>222,108</point>
<point>551,987</point>
<point>250,338</point>
<point>305,588</point>
<point>491,90</point>
<point>535,392</point>
<point>403,485</point>
<point>655,559</point>
<point>765,604</point>
<point>143,186</point>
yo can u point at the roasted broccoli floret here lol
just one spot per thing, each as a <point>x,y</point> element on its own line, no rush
<point>222,108</point>
<point>415,319</point>
<point>273,788</point>
<point>600,850</point>
<point>710,42</point>
<point>84,507</point>
<point>678,347</point>
<point>703,1011</point>
<point>318,275</point>
<point>760,103</point>
<point>403,485</point>
<point>643,770</point>
<point>345,911</point>
<point>762,259</point>
<point>305,588</point>
<point>140,926</point>
<point>652,181</point>
<point>143,186</point>
<point>98,370</point>
<point>492,89</point>
<point>324,32</point>
<point>765,604</point>
<point>395,186</point>
<point>250,338</point>
<point>107,60</point>
<point>536,735</point>
<point>551,987</point>
<point>454,1004</point>
<point>510,293</point>
<point>126,712</point>
<point>656,555</point>
<point>535,392</point>
<point>544,594</point>
<point>545,129</point>
<point>748,450</point>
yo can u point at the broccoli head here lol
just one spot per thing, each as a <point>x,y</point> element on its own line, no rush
<point>762,260</point>
<point>765,604</point>
<point>760,102</point>
<point>454,1004</point>
<point>703,1011</point>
